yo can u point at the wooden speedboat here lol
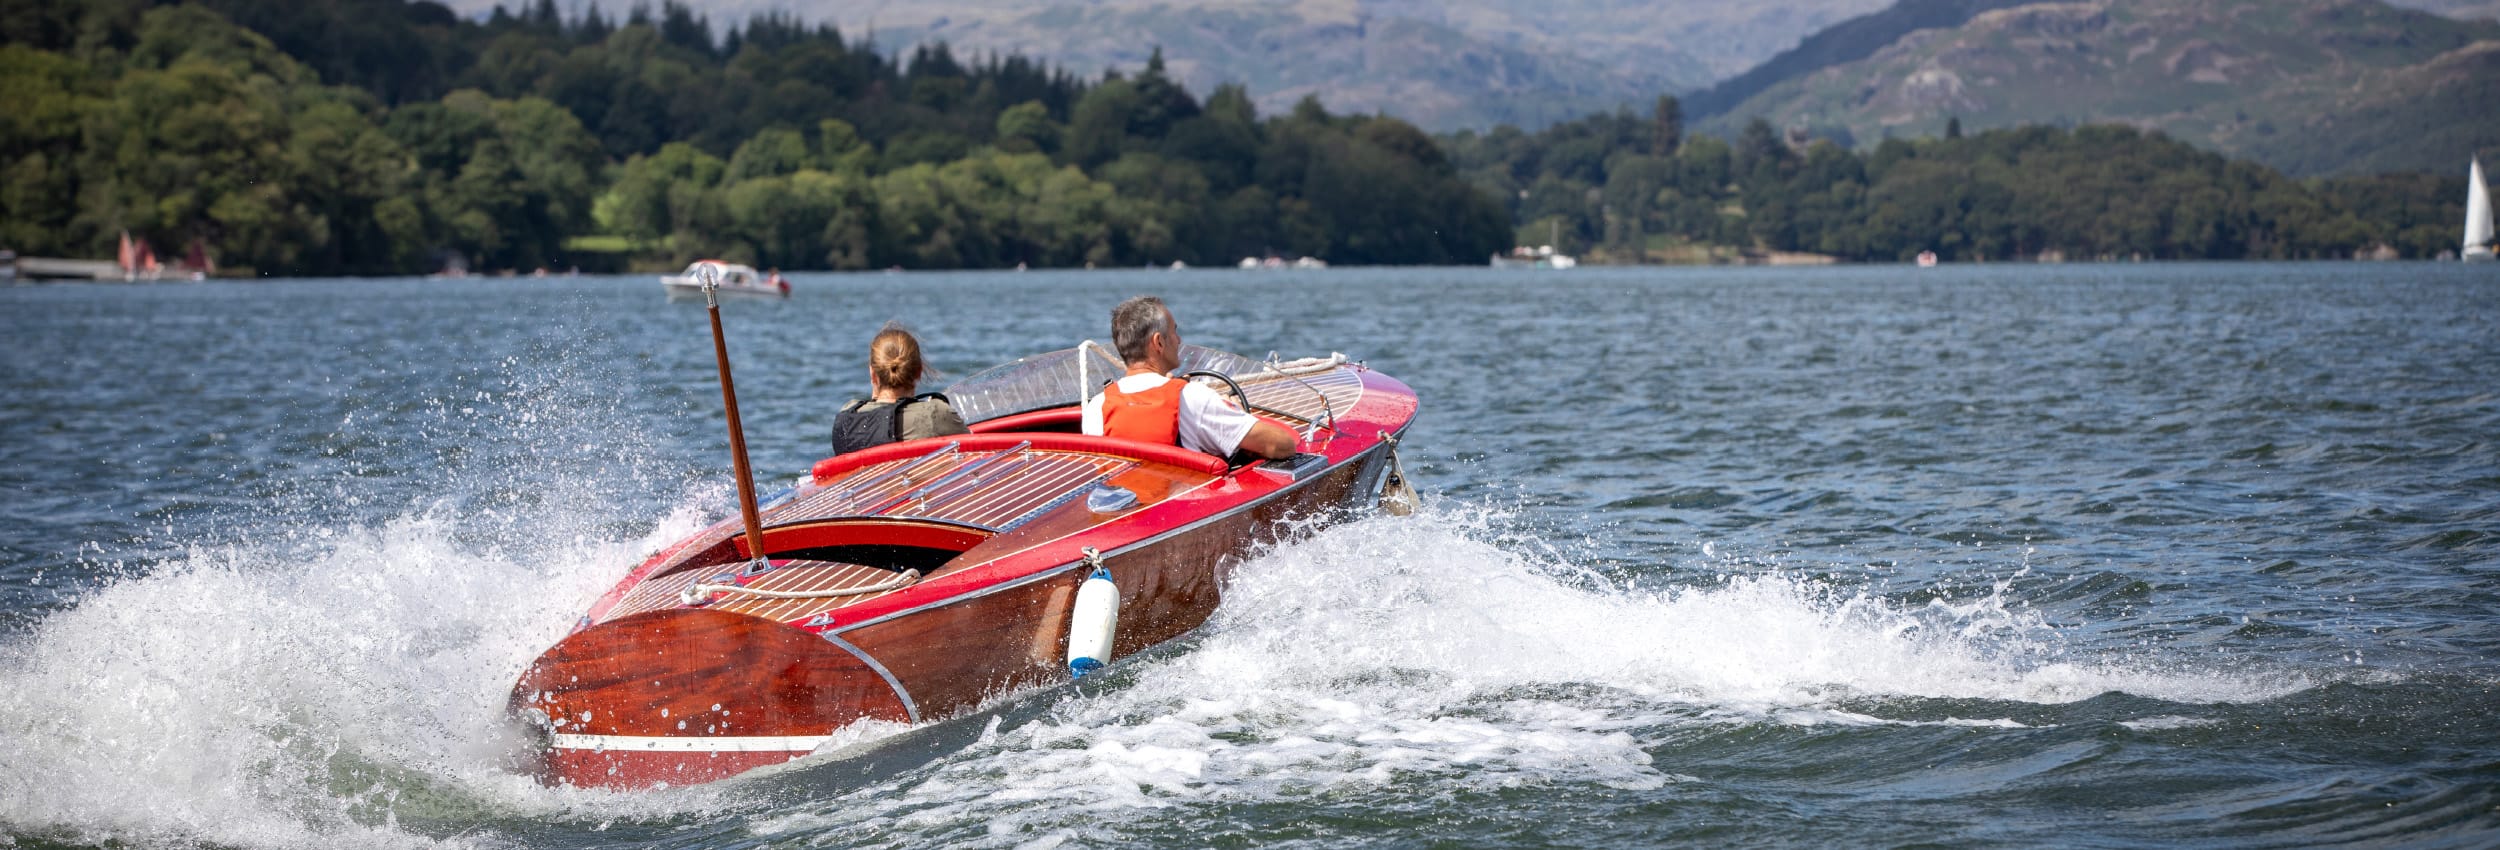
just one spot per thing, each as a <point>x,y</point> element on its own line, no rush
<point>913,581</point>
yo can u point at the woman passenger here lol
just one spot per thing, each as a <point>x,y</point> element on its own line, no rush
<point>892,413</point>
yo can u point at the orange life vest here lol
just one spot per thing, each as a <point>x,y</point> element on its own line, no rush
<point>1152,416</point>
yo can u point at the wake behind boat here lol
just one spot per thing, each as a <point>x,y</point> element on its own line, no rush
<point>912,581</point>
<point>734,278</point>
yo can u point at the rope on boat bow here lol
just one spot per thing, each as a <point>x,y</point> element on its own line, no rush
<point>699,593</point>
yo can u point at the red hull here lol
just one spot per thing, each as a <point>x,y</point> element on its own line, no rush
<point>652,690</point>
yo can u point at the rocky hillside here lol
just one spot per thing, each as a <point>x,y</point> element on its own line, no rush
<point>1847,41</point>
<point>2459,9</point>
<point>2310,86</point>
<point>1443,65</point>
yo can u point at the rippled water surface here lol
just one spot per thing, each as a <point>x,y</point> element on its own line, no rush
<point>2170,555</point>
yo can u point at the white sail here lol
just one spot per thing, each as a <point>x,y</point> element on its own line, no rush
<point>2477,213</point>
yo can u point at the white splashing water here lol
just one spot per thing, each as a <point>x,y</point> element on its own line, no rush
<point>259,698</point>
<point>1390,650</point>
<point>301,696</point>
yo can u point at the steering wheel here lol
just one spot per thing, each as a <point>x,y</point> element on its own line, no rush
<point>1239,456</point>
<point>1306,430</point>
<point>1228,381</point>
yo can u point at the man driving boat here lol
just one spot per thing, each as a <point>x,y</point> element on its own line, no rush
<point>1149,404</point>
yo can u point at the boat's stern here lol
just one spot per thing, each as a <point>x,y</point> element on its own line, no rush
<point>688,695</point>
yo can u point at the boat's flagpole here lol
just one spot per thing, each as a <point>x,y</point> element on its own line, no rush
<point>737,435</point>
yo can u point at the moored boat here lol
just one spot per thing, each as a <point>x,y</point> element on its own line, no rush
<point>734,278</point>
<point>1539,257</point>
<point>910,582</point>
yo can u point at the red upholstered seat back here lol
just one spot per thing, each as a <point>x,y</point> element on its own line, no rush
<point>839,465</point>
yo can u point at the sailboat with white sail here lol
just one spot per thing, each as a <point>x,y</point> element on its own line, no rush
<point>2477,215</point>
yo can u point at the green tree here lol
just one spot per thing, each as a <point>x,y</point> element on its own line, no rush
<point>520,189</point>
<point>771,152</point>
<point>44,100</point>
<point>840,149</point>
<point>1098,131</point>
<point>212,135</point>
<point>653,197</point>
<point>1666,126</point>
<point>1026,128</point>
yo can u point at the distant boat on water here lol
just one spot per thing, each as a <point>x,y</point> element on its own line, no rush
<point>734,278</point>
<point>1926,259</point>
<point>2477,215</point>
<point>1273,262</point>
<point>1540,257</point>
<point>137,260</point>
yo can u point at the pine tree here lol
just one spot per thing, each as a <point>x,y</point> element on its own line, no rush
<point>1666,126</point>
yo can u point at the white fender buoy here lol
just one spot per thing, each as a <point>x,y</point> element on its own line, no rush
<point>1095,619</point>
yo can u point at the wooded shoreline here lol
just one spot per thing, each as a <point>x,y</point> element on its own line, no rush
<point>368,137</point>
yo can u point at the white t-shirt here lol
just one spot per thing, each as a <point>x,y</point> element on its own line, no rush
<point>1208,422</point>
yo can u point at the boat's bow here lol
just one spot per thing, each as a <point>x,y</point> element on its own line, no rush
<point>688,695</point>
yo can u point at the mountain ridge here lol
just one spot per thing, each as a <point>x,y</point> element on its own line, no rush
<point>1847,41</point>
<point>1445,66</point>
<point>2308,86</point>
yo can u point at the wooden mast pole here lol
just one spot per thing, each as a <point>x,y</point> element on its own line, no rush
<point>737,434</point>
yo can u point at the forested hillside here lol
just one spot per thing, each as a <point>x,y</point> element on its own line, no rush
<point>1440,64</point>
<point>397,138</point>
<point>1625,188</point>
<point>384,137</point>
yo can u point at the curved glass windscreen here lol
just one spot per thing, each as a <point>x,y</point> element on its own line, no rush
<point>1069,376</point>
<point>1052,379</point>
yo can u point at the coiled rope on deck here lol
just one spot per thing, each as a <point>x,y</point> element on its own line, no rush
<point>696,594</point>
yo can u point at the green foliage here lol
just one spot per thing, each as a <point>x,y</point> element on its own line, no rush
<point>520,182</point>
<point>44,97</point>
<point>1098,131</point>
<point>771,153</point>
<point>202,132</point>
<point>407,140</point>
<point>1026,128</point>
<point>2091,192</point>
<point>374,136</point>
<point>656,197</point>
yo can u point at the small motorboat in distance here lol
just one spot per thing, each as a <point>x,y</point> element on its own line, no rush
<point>734,278</point>
<point>910,582</point>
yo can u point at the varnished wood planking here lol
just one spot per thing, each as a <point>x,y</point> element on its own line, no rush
<point>662,673</point>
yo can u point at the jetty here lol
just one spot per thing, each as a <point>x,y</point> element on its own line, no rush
<point>53,268</point>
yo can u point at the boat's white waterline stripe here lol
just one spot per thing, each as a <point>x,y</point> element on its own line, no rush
<point>647,743</point>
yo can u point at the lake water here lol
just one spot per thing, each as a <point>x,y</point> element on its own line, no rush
<point>2126,555</point>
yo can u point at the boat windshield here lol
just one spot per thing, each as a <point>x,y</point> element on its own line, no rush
<point>1069,376</point>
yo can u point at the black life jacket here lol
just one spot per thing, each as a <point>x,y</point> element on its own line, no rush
<point>855,429</point>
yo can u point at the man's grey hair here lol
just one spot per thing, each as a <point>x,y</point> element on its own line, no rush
<point>1135,320</point>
